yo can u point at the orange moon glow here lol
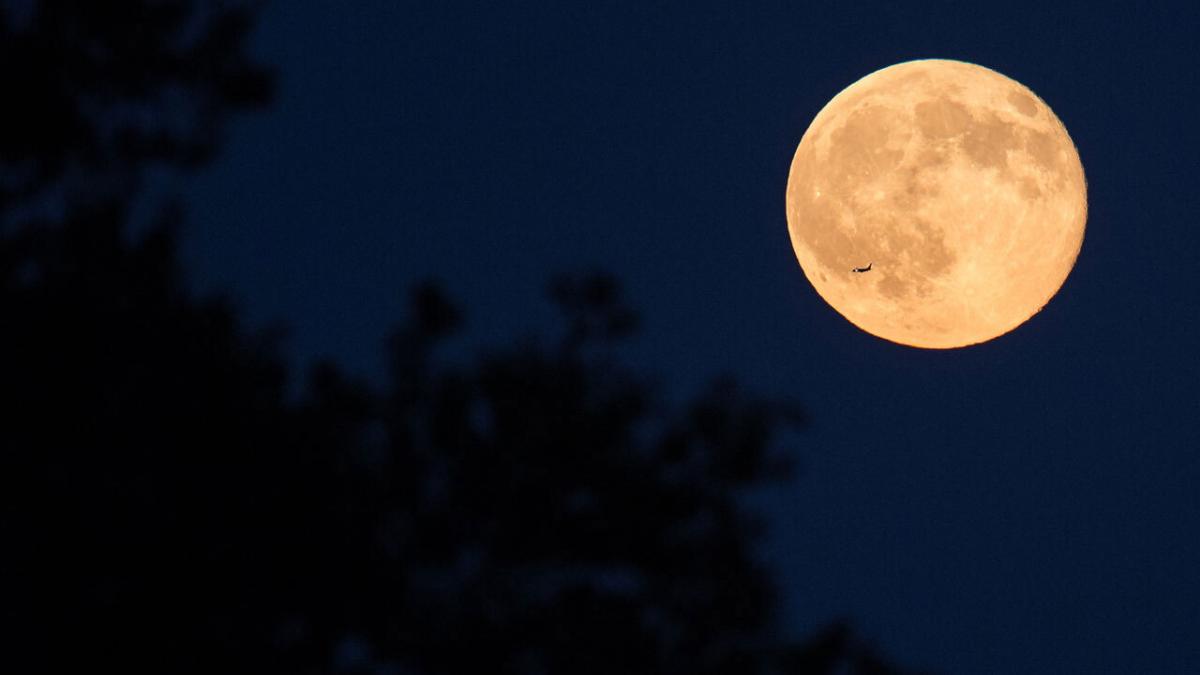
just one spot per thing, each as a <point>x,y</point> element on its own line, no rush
<point>956,186</point>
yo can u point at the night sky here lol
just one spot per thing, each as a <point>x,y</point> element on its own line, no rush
<point>1027,505</point>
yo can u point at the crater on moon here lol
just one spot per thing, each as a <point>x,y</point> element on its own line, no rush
<point>958,184</point>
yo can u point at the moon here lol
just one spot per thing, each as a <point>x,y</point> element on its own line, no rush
<point>958,187</point>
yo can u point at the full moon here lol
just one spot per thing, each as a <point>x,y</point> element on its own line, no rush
<point>936,203</point>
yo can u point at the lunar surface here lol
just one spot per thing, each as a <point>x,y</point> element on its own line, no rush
<point>956,186</point>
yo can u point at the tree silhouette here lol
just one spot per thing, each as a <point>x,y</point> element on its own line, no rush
<point>97,92</point>
<point>168,509</point>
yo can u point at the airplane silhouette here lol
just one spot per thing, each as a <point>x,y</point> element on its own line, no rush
<point>863,269</point>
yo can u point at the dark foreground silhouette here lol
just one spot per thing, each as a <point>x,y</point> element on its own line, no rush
<point>168,509</point>
<point>536,511</point>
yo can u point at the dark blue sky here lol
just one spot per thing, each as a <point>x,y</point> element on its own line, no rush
<point>1029,505</point>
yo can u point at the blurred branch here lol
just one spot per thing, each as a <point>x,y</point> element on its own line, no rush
<point>99,92</point>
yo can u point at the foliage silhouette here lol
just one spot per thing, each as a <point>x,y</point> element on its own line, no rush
<point>100,91</point>
<point>168,509</point>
